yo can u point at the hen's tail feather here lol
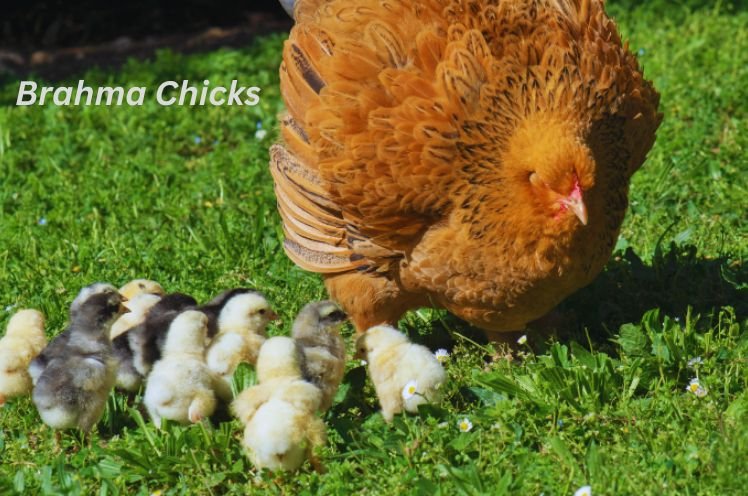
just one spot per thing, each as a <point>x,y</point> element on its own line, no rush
<point>305,8</point>
<point>313,225</point>
<point>303,64</point>
<point>301,78</point>
<point>316,261</point>
<point>320,236</point>
<point>303,187</point>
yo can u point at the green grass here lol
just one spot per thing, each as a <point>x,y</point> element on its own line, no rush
<point>183,196</point>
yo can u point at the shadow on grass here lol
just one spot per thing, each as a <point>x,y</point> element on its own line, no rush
<point>666,6</point>
<point>676,280</point>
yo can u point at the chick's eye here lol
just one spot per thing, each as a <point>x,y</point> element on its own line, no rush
<point>262,311</point>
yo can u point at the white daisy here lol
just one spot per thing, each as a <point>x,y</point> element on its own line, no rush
<point>692,363</point>
<point>465,425</point>
<point>583,491</point>
<point>441,355</point>
<point>696,388</point>
<point>522,339</point>
<point>410,390</point>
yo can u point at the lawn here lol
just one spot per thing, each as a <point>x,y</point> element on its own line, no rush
<point>183,196</point>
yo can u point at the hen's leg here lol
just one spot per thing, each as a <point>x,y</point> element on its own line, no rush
<point>369,299</point>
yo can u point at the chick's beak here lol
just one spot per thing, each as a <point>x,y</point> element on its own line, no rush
<point>272,315</point>
<point>123,308</point>
<point>576,205</point>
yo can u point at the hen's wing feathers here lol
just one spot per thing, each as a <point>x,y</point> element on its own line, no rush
<point>314,227</point>
<point>615,84</point>
<point>349,135</point>
<point>397,110</point>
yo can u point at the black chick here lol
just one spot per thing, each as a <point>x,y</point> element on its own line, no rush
<point>147,339</point>
<point>213,308</point>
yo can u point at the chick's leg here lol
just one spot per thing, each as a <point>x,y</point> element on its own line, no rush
<point>252,348</point>
<point>317,432</point>
<point>155,417</point>
<point>391,404</point>
<point>248,401</point>
<point>222,388</point>
<point>317,435</point>
<point>203,405</point>
<point>91,408</point>
<point>370,299</point>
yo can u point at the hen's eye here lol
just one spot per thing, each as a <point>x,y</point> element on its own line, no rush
<point>535,179</point>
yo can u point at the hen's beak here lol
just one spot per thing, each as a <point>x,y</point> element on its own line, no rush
<point>288,6</point>
<point>576,205</point>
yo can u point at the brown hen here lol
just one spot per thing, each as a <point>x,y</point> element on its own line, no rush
<point>468,154</point>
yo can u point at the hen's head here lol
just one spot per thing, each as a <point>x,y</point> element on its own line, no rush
<point>553,171</point>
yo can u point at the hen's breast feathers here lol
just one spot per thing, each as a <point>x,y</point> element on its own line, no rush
<point>399,111</point>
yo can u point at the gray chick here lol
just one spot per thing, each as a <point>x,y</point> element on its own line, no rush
<point>80,371</point>
<point>58,344</point>
<point>316,331</point>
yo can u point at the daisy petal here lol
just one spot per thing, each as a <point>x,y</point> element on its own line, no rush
<point>410,390</point>
<point>583,491</point>
<point>465,425</point>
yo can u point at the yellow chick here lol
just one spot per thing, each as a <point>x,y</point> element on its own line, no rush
<point>138,307</point>
<point>180,386</point>
<point>279,413</point>
<point>404,374</point>
<point>241,332</point>
<point>141,286</point>
<point>24,339</point>
<point>316,331</point>
<point>279,358</point>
